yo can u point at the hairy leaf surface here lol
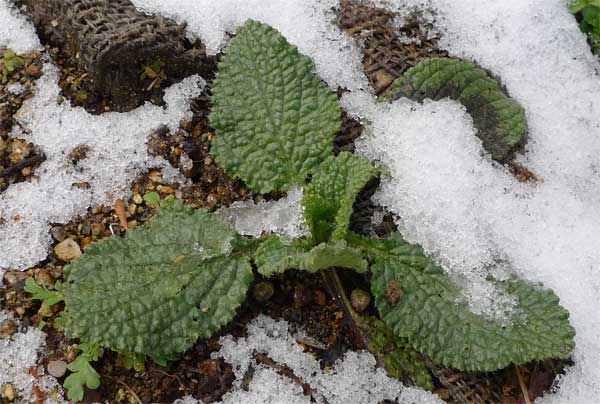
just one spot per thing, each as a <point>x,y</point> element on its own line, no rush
<point>161,287</point>
<point>400,360</point>
<point>275,120</point>
<point>419,301</point>
<point>329,198</point>
<point>278,254</point>
<point>499,119</point>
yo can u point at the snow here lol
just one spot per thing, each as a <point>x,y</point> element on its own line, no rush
<point>470,213</point>
<point>15,32</point>
<point>353,379</point>
<point>306,24</point>
<point>117,153</point>
<point>284,216</point>
<point>19,353</point>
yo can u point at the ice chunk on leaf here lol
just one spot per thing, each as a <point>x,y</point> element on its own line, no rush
<point>278,254</point>
<point>275,121</point>
<point>284,216</point>
<point>500,120</point>
<point>329,198</point>
<point>154,291</point>
<point>417,299</point>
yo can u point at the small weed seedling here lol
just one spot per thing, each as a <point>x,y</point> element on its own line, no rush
<point>182,276</point>
<point>9,62</point>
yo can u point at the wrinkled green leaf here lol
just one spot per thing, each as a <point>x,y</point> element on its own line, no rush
<point>277,254</point>
<point>39,292</point>
<point>328,200</point>
<point>578,5</point>
<point>159,288</point>
<point>499,119</point>
<point>275,121</point>
<point>420,302</point>
<point>400,360</point>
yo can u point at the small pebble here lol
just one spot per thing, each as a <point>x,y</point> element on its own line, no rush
<point>58,233</point>
<point>57,368</point>
<point>14,277</point>
<point>33,70</point>
<point>8,328</point>
<point>44,277</point>
<point>360,300</point>
<point>98,229</point>
<point>67,250</point>
<point>263,291</point>
<point>9,392</point>
<point>137,199</point>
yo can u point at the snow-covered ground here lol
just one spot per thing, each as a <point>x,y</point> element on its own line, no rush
<point>467,211</point>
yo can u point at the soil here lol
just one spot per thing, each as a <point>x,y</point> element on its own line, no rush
<point>299,298</point>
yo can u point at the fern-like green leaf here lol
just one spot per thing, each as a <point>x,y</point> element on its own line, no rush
<point>275,120</point>
<point>328,200</point>
<point>82,373</point>
<point>420,302</point>
<point>499,119</point>
<point>158,289</point>
<point>277,254</point>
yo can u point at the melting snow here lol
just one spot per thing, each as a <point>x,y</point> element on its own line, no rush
<point>117,153</point>
<point>16,33</point>
<point>19,353</point>
<point>354,379</point>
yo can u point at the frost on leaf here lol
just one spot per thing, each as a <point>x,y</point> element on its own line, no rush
<point>499,119</point>
<point>275,120</point>
<point>431,316</point>
<point>161,287</point>
<point>329,198</point>
<point>277,254</point>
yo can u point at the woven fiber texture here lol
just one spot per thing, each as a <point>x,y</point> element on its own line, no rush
<point>112,40</point>
<point>385,56</point>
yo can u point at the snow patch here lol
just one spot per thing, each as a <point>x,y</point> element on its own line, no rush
<point>19,353</point>
<point>354,379</point>
<point>306,24</point>
<point>116,153</point>
<point>16,32</point>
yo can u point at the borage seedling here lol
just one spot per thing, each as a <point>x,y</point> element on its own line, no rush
<point>182,276</point>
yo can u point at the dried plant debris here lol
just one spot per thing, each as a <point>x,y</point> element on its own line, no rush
<point>123,53</point>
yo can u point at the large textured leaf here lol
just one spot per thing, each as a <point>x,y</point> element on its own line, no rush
<point>161,287</point>
<point>500,120</point>
<point>329,198</point>
<point>399,359</point>
<point>274,119</point>
<point>419,301</point>
<point>278,254</point>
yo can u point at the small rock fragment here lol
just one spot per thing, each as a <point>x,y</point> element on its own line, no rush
<point>263,291</point>
<point>393,292</point>
<point>67,250</point>
<point>360,300</point>
<point>8,328</point>
<point>58,233</point>
<point>57,368</point>
<point>14,277</point>
<point>9,392</point>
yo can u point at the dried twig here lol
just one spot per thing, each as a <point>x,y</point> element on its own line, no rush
<point>28,162</point>
<point>522,385</point>
<point>120,211</point>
